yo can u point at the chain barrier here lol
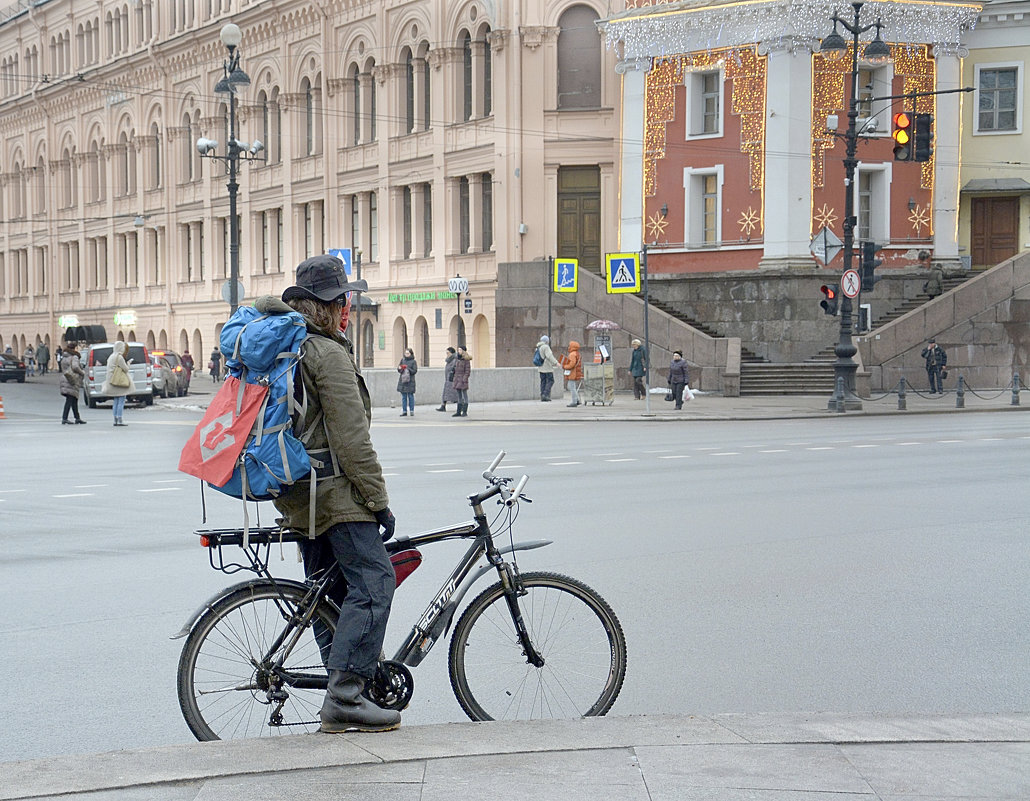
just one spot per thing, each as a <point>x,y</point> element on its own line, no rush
<point>960,393</point>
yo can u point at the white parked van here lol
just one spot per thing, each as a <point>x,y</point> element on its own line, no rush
<point>140,370</point>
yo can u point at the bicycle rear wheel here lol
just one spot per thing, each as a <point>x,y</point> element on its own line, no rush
<point>229,685</point>
<point>572,628</point>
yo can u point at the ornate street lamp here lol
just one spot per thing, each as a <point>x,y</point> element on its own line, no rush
<point>233,79</point>
<point>876,52</point>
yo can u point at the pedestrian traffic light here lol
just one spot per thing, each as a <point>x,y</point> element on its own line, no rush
<point>923,137</point>
<point>829,301</point>
<point>869,265</point>
<point>902,134</point>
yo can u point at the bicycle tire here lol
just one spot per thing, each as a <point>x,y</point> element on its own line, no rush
<point>222,687</point>
<point>490,675</point>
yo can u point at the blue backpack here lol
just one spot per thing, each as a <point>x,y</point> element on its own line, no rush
<point>538,360</point>
<point>267,350</point>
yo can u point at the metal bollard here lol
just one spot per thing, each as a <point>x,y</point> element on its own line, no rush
<point>902,403</point>
<point>960,394</point>
<point>840,394</point>
<point>1015,389</point>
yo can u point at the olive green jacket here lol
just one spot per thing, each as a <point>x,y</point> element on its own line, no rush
<point>335,390</point>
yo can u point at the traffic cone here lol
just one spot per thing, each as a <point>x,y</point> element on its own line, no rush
<point>2,417</point>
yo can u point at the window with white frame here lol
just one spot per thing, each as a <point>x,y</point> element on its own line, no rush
<point>704,103</point>
<point>874,115</point>
<point>999,92</point>
<point>702,192</point>
<point>872,203</point>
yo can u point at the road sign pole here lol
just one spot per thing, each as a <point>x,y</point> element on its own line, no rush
<point>550,292</point>
<point>647,334</point>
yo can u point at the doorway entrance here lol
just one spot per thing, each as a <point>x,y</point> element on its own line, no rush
<point>579,216</point>
<point>995,230</point>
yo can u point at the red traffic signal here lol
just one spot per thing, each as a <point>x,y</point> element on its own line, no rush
<point>902,135</point>
<point>829,301</point>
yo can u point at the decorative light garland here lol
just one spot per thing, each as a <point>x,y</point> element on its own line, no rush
<point>655,29</point>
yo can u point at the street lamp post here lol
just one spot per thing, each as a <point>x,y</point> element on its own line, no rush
<point>876,52</point>
<point>233,79</point>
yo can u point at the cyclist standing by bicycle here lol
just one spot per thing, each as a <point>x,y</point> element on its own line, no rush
<point>352,506</point>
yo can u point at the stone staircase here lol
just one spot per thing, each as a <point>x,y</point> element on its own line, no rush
<point>814,376</point>
<point>746,356</point>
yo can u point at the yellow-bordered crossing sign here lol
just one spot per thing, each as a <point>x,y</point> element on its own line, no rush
<point>623,272</point>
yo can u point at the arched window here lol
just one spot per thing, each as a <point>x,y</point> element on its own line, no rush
<point>66,183</point>
<point>421,347</point>
<point>188,144</point>
<point>367,344</point>
<point>579,60</point>
<point>466,74</point>
<point>400,339</point>
<point>41,185</point>
<point>155,161</point>
<point>409,91</point>
<point>355,93</point>
<point>309,117</point>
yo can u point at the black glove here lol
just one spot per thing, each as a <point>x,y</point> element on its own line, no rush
<point>387,522</point>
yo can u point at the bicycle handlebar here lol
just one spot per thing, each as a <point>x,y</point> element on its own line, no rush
<point>488,474</point>
<point>517,492</point>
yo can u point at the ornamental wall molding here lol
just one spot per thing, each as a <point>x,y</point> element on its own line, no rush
<point>535,35</point>
<point>696,25</point>
<point>633,65</point>
<point>334,85</point>
<point>498,39</point>
<point>789,44</point>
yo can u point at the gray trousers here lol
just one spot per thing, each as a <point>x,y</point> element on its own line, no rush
<point>365,599</point>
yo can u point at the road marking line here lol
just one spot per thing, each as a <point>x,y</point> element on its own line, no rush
<point>75,495</point>
<point>820,448</point>
<point>775,450</point>
<point>451,470</point>
<point>10,491</point>
<point>990,439</point>
<point>390,474</point>
<point>439,464</point>
<point>947,441</point>
<point>620,460</point>
<point>171,480</point>
<point>660,450</point>
<point>617,453</point>
<point>678,456</point>
<point>908,443</point>
<point>561,464</point>
<point>160,489</point>
<point>726,453</point>
<point>865,446</point>
<point>708,448</point>
<point>88,486</point>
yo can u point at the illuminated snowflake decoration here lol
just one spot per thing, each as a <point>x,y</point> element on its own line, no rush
<point>748,222</point>
<point>656,225</point>
<point>920,217</point>
<point>826,217</point>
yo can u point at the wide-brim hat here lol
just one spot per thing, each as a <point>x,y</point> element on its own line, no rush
<point>323,278</point>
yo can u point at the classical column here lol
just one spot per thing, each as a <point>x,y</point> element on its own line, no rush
<point>367,84</point>
<point>418,240</point>
<point>788,139</point>
<point>634,118</point>
<point>420,75</point>
<point>946,155</point>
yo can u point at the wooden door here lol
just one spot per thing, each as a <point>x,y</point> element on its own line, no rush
<point>995,230</point>
<point>579,215</point>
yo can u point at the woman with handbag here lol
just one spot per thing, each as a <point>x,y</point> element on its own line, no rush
<point>118,383</point>
<point>406,382</point>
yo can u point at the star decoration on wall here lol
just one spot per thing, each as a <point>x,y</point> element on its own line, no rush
<point>826,217</point>
<point>919,217</point>
<point>748,222</point>
<point>656,225</point>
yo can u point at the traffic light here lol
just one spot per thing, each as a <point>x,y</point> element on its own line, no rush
<point>902,134</point>
<point>829,302</point>
<point>923,137</point>
<point>869,265</point>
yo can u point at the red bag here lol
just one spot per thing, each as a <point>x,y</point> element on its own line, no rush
<point>217,441</point>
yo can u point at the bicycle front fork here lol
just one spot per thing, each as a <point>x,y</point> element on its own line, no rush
<point>512,590</point>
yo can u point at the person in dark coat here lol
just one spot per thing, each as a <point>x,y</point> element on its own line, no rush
<point>43,358</point>
<point>936,361</point>
<point>638,369</point>
<point>214,366</point>
<point>678,377</point>
<point>71,383</point>
<point>449,395</point>
<point>406,381</point>
<point>462,370</point>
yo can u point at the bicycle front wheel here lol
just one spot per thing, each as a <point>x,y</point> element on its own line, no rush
<point>570,625</point>
<point>230,682</point>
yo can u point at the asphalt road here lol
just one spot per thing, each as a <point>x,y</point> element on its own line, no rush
<point>858,565</point>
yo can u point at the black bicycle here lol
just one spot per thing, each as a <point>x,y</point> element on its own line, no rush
<point>532,645</point>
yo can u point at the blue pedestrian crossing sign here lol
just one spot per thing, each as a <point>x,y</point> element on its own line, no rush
<point>623,272</point>
<point>344,255</point>
<point>566,275</point>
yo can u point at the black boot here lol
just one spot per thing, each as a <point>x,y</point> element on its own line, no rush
<point>346,709</point>
<point>464,410</point>
<point>442,407</point>
<point>458,413</point>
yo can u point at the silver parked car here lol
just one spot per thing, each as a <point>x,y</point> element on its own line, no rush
<point>141,371</point>
<point>165,382</point>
